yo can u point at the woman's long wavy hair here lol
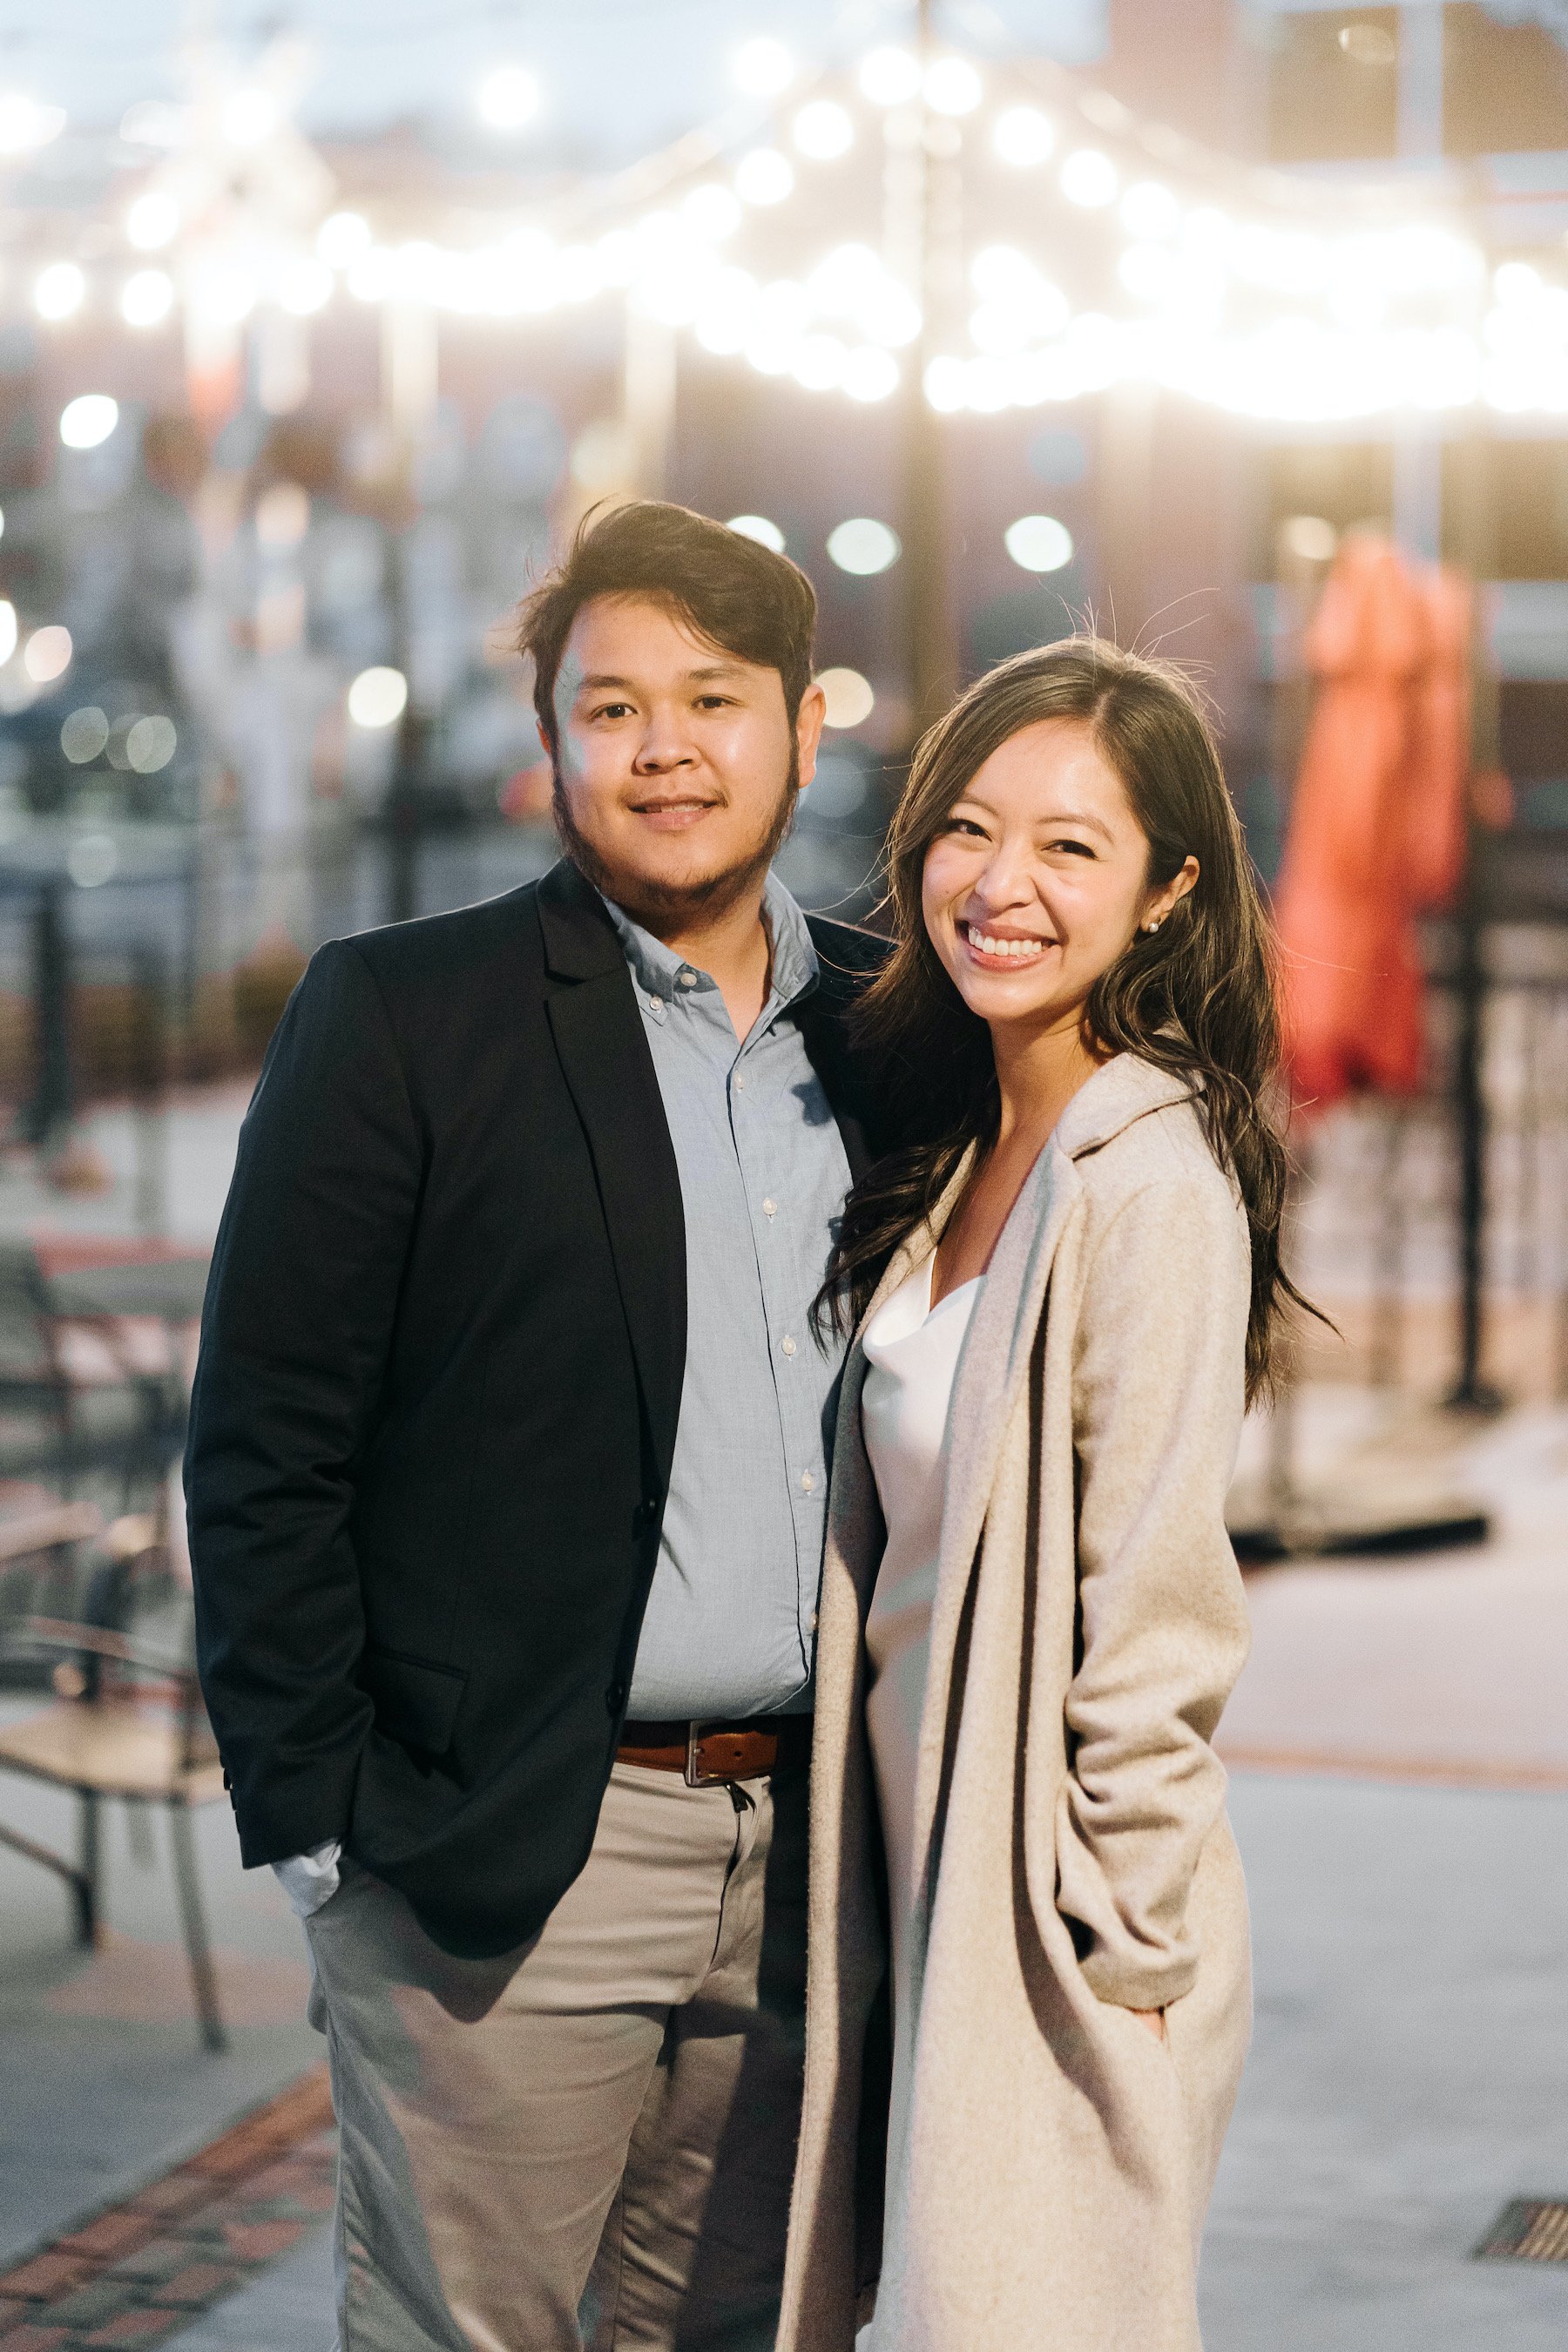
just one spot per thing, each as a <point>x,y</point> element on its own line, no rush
<point>1195,998</point>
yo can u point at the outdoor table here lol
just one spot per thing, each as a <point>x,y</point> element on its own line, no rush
<point>105,1279</point>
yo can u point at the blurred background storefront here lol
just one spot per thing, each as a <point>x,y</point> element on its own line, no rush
<point>1239,331</point>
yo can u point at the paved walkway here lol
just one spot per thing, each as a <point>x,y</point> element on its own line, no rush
<point>1400,1752</point>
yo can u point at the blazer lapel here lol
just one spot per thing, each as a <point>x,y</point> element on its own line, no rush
<point>609,1071</point>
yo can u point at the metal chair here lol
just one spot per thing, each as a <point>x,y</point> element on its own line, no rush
<point>70,1403</point>
<point>128,1722</point>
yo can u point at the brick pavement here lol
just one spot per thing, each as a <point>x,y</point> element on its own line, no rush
<point>140,2271</point>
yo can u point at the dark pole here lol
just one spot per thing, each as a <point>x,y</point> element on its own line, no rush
<point>406,793</point>
<point>1473,532</point>
<point>48,1116</point>
<point>931,667</point>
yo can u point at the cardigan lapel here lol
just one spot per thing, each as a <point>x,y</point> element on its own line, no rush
<point>994,1365</point>
<point>609,1071</point>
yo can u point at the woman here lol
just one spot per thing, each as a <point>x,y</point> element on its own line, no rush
<point>1029,1600</point>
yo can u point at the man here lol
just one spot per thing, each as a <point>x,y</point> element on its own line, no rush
<point>507,1472</point>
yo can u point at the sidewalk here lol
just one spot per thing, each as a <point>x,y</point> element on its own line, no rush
<point>1399,1749</point>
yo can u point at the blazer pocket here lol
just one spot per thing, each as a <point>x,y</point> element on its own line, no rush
<point>415,1704</point>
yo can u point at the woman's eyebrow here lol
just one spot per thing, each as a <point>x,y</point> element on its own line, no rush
<point>1078,816</point>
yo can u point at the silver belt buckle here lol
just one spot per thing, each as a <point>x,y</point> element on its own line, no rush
<point>694,1776</point>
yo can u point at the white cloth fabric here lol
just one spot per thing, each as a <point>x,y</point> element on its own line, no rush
<point>912,1352</point>
<point>308,1880</point>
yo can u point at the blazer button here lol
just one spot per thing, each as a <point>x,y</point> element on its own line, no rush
<point>615,1698</point>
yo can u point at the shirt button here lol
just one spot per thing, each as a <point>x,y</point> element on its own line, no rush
<point>688,979</point>
<point>813,1621</point>
<point>788,1345</point>
<point>770,1208</point>
<point>653,1005</point>
<point>807,1483</point>
<point>742,1079</point>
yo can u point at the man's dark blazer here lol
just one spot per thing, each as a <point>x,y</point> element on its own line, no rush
<point>435,1406</point>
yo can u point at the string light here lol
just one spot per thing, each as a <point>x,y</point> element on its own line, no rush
<point>342,239</point>
<point>59,292</point>
<point>1257,307</point>
<point>378,698</point>
<point>153,221</point>
<point>763,67</point>
<point>89,420</point>
<point>952,86</point>
<point>47,655</point>
<point>147,298</point>
<point>1038,542</point>
<point>824,130</point>
<point>891,77</point>
<point>1089,178</point>
<point>863,546</point>
<point>1024,137</point>
<point>765,177</point>
<point>758,527</point>
<point>509,98</point>
<point>848,697</point>
<point>26,125</point>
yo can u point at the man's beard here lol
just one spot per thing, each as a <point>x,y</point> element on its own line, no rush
<point>660,906</point>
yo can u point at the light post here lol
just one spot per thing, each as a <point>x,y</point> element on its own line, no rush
<point>930,660</point>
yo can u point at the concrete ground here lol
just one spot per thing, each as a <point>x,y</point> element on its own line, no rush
<point>1399,1746</point>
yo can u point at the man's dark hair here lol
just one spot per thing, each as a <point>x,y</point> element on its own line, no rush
<point>729,589</point>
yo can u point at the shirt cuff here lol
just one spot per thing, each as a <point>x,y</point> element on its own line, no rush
<point>310,1880</point>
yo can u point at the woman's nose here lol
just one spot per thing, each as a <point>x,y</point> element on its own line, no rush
<point>1008,877</point>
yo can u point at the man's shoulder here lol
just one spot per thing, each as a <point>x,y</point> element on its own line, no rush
<point>461,943</point>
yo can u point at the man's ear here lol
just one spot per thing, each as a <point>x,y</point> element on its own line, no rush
<point>808,730</point>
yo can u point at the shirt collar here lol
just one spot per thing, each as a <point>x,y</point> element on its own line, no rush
<point>656,970</point>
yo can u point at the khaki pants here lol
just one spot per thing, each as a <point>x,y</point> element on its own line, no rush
<point>588,2141</point>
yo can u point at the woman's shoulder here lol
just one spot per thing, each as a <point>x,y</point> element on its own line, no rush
<point>1144,1140</point>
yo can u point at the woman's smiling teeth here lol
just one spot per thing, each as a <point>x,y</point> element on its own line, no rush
<point>985,945</point>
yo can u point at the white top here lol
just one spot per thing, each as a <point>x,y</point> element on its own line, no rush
<point>912,1352</point>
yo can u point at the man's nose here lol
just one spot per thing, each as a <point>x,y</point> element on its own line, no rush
<point>665,744</point>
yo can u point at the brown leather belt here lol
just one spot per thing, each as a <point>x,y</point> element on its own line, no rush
<point>707,1752</point>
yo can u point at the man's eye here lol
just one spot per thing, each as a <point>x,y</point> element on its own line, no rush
<point>610,710</point>
<point>716,702</point>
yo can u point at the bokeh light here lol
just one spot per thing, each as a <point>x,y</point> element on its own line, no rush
<point>863,545</point>
<point>848,697</point>
<point>378,696</point>
<point>763,67</point>
<point>1024,137</point>
<point>89,420</point>
<point>59,292</point>
<point>758,527</point>
<point>509,98</point>
<point>1038,542</point>
<point>890,76</point>
<point>147,298</point>
<point>47,654</point>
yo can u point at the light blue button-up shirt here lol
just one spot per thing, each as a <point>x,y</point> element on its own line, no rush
<point>732,1614</point>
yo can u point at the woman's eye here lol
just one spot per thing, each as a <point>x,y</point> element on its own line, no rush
<point>966,825</point>
<point>1074,848</point>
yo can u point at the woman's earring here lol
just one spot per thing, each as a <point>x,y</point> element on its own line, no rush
<point>1154,927</point>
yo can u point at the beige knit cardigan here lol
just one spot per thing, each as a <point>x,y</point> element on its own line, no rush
<point>1073,1857</point>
